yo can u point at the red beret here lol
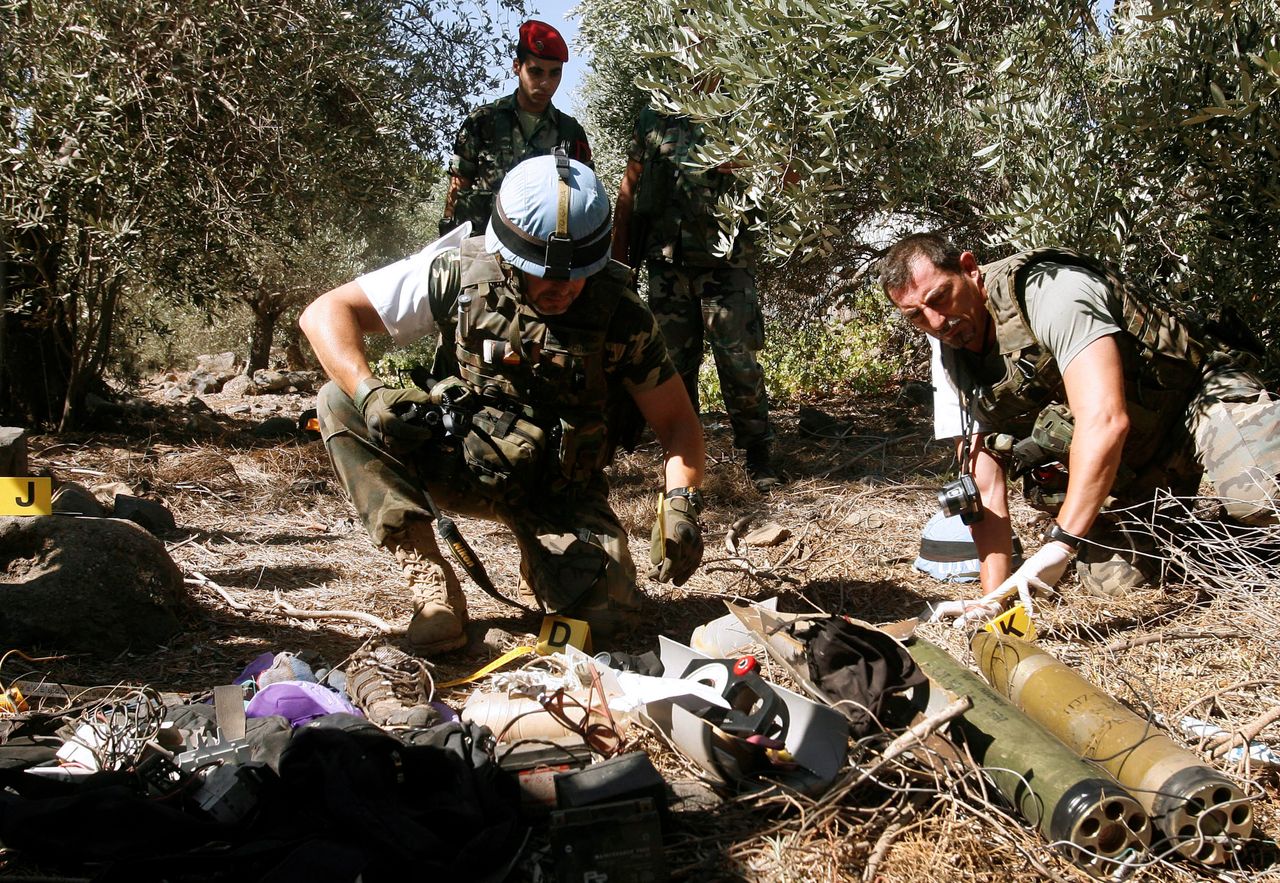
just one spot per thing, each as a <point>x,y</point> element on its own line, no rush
<point>542,40</point>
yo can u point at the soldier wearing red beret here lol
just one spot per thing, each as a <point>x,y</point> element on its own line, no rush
<point>499,135</point>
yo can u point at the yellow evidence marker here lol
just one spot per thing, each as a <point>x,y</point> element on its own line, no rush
<point>26,496</point>
<point>1013,622</point>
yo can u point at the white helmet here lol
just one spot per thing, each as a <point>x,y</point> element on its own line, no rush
<point>551,219</point>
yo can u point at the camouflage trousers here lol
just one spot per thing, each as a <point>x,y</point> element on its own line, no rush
<point>1231,435</point>
<point>1235,424</point>
<point>573,549</point>
<point>718,304</point>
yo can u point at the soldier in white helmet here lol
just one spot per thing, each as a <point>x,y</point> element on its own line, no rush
<point>545,355</point>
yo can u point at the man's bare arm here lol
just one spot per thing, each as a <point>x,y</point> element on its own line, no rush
<point>456,183</point>
<point>993,535</point>
<point>1095,393</point>
<point>670,413</point>
<point>622,212</point>
<point>335,323</point>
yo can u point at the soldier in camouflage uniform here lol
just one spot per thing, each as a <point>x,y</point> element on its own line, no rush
<point>497,136</point>
<point>701,282</point>
<point>549,349</point>
<point>1054,345</point>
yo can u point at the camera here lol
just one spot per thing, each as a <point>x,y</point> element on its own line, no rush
<point>961,497</point>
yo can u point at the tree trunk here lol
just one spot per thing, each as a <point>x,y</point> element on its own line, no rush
<point>260,337</point>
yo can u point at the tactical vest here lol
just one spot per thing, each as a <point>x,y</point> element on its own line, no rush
<point>1018,378</point>
<point>506,139</point>
<point>549,370</point>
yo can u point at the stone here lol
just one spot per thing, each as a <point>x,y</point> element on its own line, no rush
<point>239,386</point>
<point>174,393</point>
<point>197,404</point>
<point>105,493</point>
<point>97,586</point>
<point>153,516</point>
<point>203,423</point>
<point>241,408</point>
<point>268,380</point>
<point>813,421</point>
<point>13,452</point>
<point>204,382</point>
<point>767,535</point>
<point>276,427</point>
<point>72,498</point>
<point>218,363</point>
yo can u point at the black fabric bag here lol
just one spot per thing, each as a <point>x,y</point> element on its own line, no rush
<point>866,666</point>
<point>351,800</point>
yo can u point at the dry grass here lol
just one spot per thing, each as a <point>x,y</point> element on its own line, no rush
<point>261,519</point>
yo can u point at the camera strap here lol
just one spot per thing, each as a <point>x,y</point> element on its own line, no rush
<point>966,429</point>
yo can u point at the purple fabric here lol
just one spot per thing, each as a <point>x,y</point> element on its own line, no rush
<point>299,701</point>
<point>255,668</point>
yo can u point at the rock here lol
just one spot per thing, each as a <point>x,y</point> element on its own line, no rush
<point>153,516</point>
<point>203,423</point>
<point>204,382</point>
<point>220,363</point>
<point>72,498</point>
<point>174,393</point>
<point>13,452</point>
<point>171,378</point>
<point>239,386</point>
<point>240,409</point>
<point>916,392</point>
<point>268,380</point>
<point>767,535</point>
<point>106,492</point>
<point>198,406</point>
<point>302,381</point>
<point>86,585</point>
<point>821,424</point>
<point>498,641</point>
<point>276,427</point>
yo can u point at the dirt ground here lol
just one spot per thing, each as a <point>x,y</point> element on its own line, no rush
<point>266,521</point>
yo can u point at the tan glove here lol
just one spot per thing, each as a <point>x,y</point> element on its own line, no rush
<point>387,414</point>
<point>676,549</point>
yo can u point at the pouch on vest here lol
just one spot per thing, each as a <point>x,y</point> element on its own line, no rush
<point>504,452</point>
<point>566,567</point>
<point>584,447</point>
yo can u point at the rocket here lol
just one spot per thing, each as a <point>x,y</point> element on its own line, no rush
<point>1199,810</point>
<point>1069,800</point>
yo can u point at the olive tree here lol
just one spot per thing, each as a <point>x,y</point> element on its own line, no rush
<point>175,149</point>
<point>1149,138</point>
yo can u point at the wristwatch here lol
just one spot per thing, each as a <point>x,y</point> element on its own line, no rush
<point>1055,533</point>
<point>692,494</point>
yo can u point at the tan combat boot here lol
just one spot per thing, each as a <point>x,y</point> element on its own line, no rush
<point>439,616</point>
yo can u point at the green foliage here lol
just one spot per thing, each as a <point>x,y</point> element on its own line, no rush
<point>860,347</point>
<point>395,366</point>
<point>1154,142</point>
<point>221,151</point>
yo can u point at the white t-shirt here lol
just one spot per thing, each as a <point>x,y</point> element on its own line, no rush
<point>399,291</point>
<point>1068,308</point>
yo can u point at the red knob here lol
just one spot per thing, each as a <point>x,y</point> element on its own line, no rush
<point>745,665</point>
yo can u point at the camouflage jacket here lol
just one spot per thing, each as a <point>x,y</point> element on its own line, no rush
<point>571,374</point>
<point>491,142</point>
<point>674,203</point>
<point>1017,378</point>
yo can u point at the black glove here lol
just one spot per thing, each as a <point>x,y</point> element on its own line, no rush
<point>676,549</point>
<point>446,224</point>
<point>385,411</point>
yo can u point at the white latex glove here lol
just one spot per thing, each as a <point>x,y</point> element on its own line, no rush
<point>1041,571</point>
